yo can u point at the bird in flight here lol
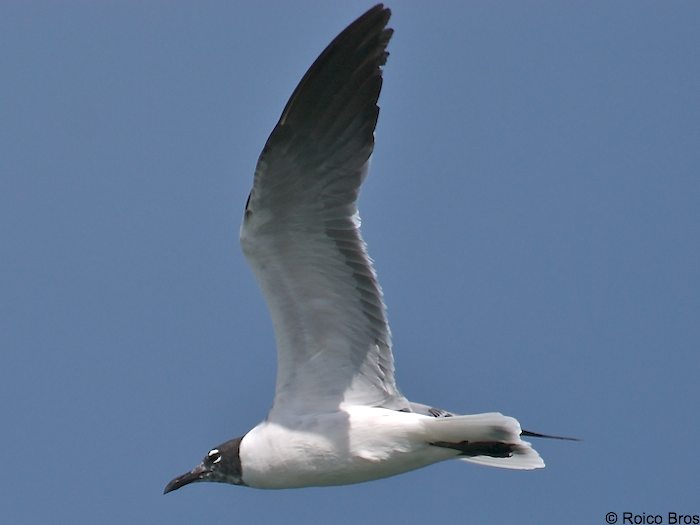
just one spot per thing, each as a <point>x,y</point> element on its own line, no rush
<point>338,416</point>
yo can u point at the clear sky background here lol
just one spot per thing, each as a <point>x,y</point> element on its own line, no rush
<point>533,208</point>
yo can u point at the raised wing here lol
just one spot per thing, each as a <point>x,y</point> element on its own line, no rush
<point>301,233</point>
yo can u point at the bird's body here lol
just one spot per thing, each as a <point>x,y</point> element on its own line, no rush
<point>338,416</point>
<point>355,444</point>
<point>361,443</point>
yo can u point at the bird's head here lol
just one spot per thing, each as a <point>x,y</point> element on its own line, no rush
<point>222,464</point>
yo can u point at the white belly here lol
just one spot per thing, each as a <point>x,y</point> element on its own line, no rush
<point>350,446</point>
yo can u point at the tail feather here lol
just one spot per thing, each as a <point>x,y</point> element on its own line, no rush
<point>487,439</point>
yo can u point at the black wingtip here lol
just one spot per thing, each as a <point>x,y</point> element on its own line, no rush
<point>367,36</point>
<point>527,433</point>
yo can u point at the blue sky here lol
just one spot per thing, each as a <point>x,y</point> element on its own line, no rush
<point>533,209</point>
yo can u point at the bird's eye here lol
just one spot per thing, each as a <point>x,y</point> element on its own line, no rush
<point>214,456</point>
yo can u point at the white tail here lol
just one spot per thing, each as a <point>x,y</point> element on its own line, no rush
<point>489,428</point>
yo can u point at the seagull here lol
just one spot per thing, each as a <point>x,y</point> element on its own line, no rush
<point>338,416</point>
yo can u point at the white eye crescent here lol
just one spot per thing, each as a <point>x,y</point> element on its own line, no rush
<point>214,453</point>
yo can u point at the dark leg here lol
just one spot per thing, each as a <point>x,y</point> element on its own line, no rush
<point>494,449</point>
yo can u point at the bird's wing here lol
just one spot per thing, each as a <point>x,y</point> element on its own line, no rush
<point>301,233</point>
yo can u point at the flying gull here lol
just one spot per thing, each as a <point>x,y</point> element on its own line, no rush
<point>338,416</point>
